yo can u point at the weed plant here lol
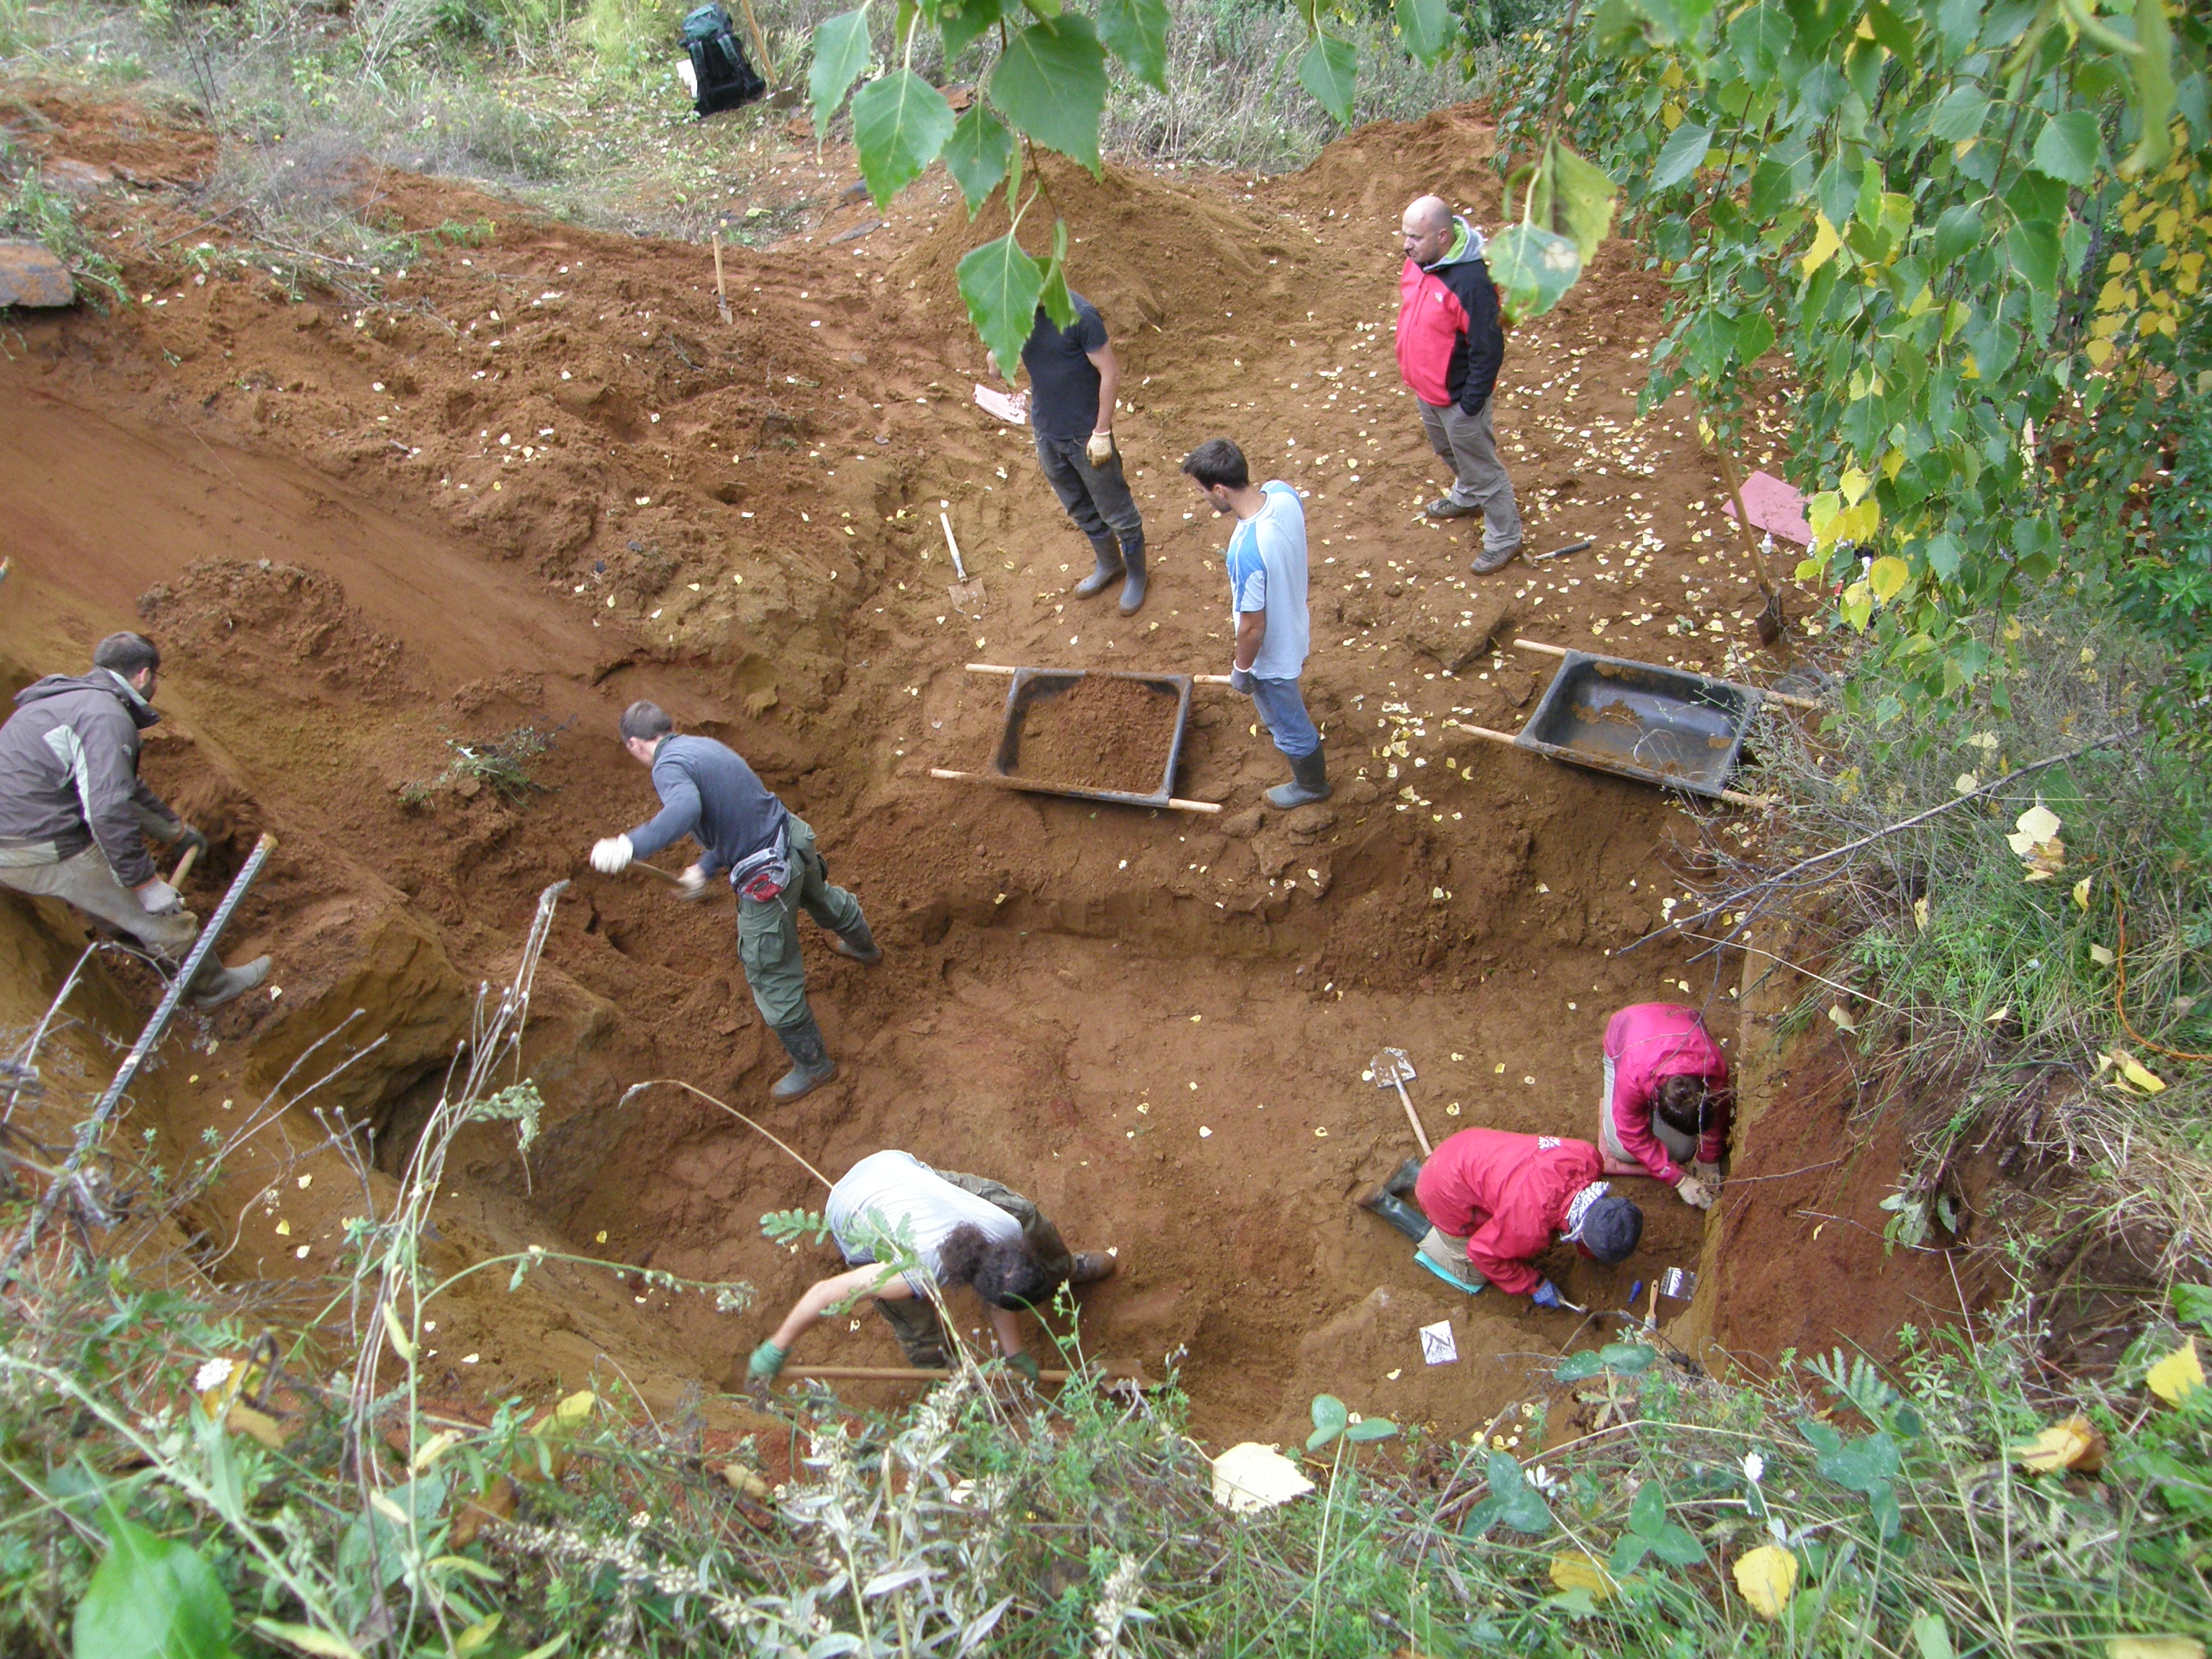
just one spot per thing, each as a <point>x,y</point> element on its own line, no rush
<point>31,208</point>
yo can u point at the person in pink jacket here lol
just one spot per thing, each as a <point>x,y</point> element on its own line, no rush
<point>1501,1198</point>
<point>1666,1100</point>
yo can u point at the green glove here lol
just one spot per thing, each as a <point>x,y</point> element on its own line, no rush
<point>768,1360</point>
<point>1026,1365</point>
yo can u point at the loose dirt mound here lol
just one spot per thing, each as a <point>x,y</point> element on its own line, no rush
<point>545,480</point>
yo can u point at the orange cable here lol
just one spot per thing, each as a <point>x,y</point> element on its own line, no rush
<point>2120,995</point>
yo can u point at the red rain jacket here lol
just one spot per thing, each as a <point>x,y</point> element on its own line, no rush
<point>1647,1044</point>
<point>1451,344</point>
<point>1507,1195</point>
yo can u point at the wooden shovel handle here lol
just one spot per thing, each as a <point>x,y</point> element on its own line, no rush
<point>184,867</point>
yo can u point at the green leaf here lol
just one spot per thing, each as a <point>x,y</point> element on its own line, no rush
<point>1520,1505</point>
<point>1051,83</point>
<point>1650,1533</point>
<point>900,124</point>
<point>1630,1358</point>
<point>1533,267</point>
<point>1059,304</point>
<point>1136,32</point>
<point>1330,1417</point>
<point>2193,1303</point>
<point>1426,27</point>
<point>840,52</point>
<point>1327,71</point>
<point>308,1639</point>
<point>2069,148</point>
<point>977,153</point>
<point>1932,1636</point>
<point>151,1598</point>
<point>1579,1367</point>
<point>1372,1428</point>
<point>2153,72</point>
<point>2032,244</point>
<point>1682,154</point>
<point>1959,113</point>
<point>1583,198</point>
<point>959,22</point>
<point>1959,230</point>
<point>1754,337</point>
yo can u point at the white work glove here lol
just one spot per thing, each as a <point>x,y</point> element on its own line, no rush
<point>1100,449</point>
<point>158,898</point>
<point>1695,1192</point>
<point>694,884</point>
<point>612,857</point>
<point>1708,1173</point>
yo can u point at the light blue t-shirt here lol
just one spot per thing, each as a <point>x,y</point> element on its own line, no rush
<point>1267,572</point>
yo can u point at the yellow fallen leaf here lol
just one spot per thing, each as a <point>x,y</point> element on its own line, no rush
<point>1571,1569</point>
<point>255,1425</point>
<point>1965,783</point>
<point>476,1634</point>
<point>566,1416</point>
<point>1766,1577</point>
<point>402,1344</point>
<point>2100,956</point>
<point>2082,892</point>
<point>742,1479</point>
<point>2073,1443</point>
<point>435,1447</point>
<point>2033,828</point>
<point>2138,1073</point>
<point>1843,1020</point>
<point>1920,915</point>
<point>2154,1647</point>
<point>2178,1376</point>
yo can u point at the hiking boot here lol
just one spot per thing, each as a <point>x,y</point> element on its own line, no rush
<point>1308,783</point>
<point>1110,566</point>
<point>858,943</point>
<point>1090,1267</point>
<point>1445,507</point>
<point>213,986</point>
<point>810,1065</point>
<point>1133,591</point>
<point>1404,1179</point>
<point>1398,1214</point>
<point>1490,561</point>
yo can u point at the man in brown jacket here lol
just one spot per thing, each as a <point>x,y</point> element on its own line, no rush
<point>74,816</point>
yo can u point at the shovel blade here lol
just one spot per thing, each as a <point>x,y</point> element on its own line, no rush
<point>1392,1067</point>
<point>967,596</point>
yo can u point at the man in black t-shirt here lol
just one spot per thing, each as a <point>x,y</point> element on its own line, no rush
<point>1073,381</point>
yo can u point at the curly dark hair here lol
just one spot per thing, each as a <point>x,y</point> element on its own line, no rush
<point>1681,1102</point>
<point>1005,1273</point>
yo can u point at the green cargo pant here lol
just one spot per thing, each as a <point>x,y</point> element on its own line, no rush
<point>920,1333</point>
<point>767,932</point>
<point>87,882</point>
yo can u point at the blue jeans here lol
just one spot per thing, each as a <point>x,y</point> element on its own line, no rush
<point>1283,711</point>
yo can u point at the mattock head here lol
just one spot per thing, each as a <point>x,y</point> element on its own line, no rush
<point>1390,1068</point>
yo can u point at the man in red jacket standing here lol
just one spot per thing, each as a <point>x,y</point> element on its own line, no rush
<point>1451,346</point>
<point>1503,1197</point>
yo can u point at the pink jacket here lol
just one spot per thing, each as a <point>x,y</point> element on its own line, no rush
<point>1647,1044</point>
<point>1507,1195</point>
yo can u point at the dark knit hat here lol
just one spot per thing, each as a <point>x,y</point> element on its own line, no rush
<point>1611,1228</point>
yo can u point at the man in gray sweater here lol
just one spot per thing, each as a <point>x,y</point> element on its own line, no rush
<point>708,793</point>
<point>75,815</point>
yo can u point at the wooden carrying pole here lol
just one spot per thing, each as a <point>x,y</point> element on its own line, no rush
<point>1001,783</point>
<point>1790,698</point>
<point>721,294</point>
<point>1001,668</point>
<point>1733,797</point>
<point>888,1374</point>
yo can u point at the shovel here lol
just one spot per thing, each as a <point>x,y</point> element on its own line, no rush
<point>967,596</point>
<point>1772,623</point>
<point>1392,1069</point>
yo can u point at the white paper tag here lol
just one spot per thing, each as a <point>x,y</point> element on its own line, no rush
<point>1014,411</point>
<point>1437,1345</point>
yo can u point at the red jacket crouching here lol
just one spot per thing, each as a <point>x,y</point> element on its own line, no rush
<point>1507,1195</point>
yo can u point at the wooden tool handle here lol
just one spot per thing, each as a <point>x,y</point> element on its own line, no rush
<point>1789,698</point>
<point>1000,783</point>
<point>1733,797</point>
<point>1001,668</point>
<point>184,867</point>
<point>1413,1118</point>
<point>655,870</point>
<point>958,568</point>
<point>887,1374</point>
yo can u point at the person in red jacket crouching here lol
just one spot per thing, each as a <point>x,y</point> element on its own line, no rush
<point>1666,1100</point>
<point>1496,1200</point>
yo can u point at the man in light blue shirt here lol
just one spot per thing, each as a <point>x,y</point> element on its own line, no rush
<point>1267,593</point>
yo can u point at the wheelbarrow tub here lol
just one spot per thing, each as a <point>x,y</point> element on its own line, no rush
<point>1032,686</point>
<point>1669,726</point>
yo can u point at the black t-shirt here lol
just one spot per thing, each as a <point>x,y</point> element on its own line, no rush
<point>1063,383</point>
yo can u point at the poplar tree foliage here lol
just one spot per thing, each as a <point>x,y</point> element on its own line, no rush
<point>1046,88</point>
<point>1977,229</point>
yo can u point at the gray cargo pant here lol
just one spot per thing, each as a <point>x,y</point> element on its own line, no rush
<point>1478,477</point>
<point>767,931</point>
<point>87,881</point>
<point>1097,498</point>
<point>920,1333</point>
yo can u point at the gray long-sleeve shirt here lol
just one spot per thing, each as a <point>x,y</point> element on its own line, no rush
<point>708,793</point>
<point>69,771</point>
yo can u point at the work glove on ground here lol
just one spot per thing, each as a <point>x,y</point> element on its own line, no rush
<point>692,884</point>
<point>1100,449</point>
<point>1240,680</point>
<point>612,857</point>
<point>1695,1192</point>
<point>1026,1365</point>
<point>158,898</point>
<point>1546,1295</point>
<point>766,1361</point>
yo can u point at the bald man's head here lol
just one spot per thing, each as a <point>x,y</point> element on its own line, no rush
<point>1426,229</point>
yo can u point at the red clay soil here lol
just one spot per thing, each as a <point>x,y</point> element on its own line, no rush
<point>1099,734</point>
<point>546,480</point>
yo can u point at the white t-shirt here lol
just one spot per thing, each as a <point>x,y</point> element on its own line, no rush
<point>1266,562</point>
<point>894,1193</point>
